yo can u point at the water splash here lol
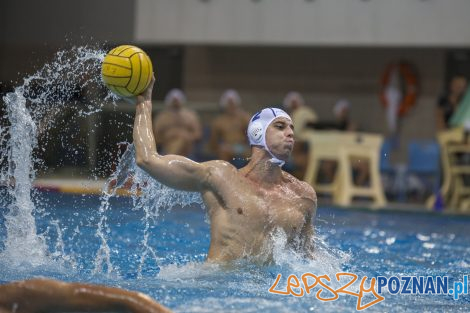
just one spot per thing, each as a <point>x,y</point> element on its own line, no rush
<point>103,256</point>
<point>149,196</point>
<point>20,225</point>
<point>32,109</point>
<point>59,253</point>
<point>154,198</point>
<point>69,84</point>
<point>327,260</point>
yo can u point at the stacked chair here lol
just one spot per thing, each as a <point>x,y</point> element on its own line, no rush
<point>346,148</point>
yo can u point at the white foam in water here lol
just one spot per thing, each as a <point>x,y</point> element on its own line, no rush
<point>326,261</point>
<point>30,110</point>
<point>191,270</point>
<point>243,286</point>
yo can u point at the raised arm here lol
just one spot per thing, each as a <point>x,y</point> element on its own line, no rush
<point>44,295</point>
<point>172,170</point>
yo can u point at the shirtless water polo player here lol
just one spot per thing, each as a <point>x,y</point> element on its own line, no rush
<point>246,206</point>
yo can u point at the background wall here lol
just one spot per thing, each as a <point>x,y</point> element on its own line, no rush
<point>324,49</point>
<point>305,22</point>
<point>32,31</point>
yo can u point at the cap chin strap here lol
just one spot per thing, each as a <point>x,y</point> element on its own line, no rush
<point>275,160</point>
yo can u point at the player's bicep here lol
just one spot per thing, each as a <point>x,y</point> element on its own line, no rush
<point>176,172</point>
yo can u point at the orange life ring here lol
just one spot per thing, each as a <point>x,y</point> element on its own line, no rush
<point>409,82</point>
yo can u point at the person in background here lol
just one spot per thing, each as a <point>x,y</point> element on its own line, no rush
<point>303,118</point>
<point>342,118</point>
<point>343,122</point>
<point>177,128</point>
<point>453,111</point>
<point>449,101</point>
<point>228,131</point>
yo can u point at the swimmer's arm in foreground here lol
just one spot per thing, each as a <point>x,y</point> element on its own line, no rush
<point>172,170</point>
<point>45,295</point>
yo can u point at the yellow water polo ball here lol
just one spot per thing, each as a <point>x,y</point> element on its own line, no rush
<point>127,70</point>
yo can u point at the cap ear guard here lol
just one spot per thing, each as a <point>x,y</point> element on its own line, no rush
<point>255,133</point>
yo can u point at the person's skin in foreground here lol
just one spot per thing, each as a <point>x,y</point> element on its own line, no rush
<point>246,207</point>
<point>45,295</point>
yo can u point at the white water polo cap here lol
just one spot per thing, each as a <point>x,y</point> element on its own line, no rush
<point>259,124</point>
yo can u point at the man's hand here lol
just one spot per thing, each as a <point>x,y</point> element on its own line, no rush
<point>146,95</point>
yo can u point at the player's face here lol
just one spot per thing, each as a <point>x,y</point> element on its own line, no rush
<point>280,138</point>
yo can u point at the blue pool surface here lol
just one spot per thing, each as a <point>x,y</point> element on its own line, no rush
<point>173,271</point>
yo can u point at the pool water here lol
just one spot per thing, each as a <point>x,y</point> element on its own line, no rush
<point>157,244</point>
<point>169,263</point>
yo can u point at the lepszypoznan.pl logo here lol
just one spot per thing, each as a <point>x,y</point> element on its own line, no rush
<point>427,285</point>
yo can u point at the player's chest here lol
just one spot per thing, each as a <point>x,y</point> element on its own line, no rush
<point>277,208</point>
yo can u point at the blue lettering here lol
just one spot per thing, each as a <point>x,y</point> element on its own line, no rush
<point>393,290</point>
<point>406,280</point>
<point>430,286</point>
<point>381,282</point>
<point>465,284</point>
<point>458,289</point>
<point>441,284</point>
<point>418,285</point>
